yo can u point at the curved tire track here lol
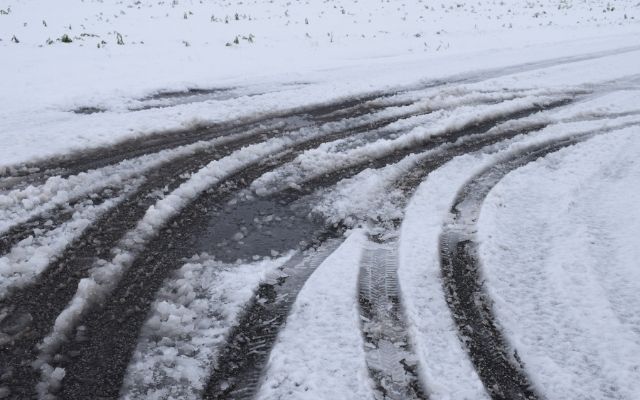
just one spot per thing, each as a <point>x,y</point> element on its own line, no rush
<point>390,356</point>
<point>96,359</point>
<point>239,376</point>
<point>49,220</point>
<point>43,301</point>
<point>239,367</point>
<point>499,368</point>
<point>36,306</point>
<point>74,163</point>
<point>204,225</point>
<point>96,365</point>
<point>445,146</point>
<point>34,172</point>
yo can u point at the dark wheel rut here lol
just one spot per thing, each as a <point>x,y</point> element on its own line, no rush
<point>228,222</point>
<point>498,366</point>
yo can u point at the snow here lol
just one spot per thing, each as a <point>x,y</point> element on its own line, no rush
<point>105,274</point>
<point>321,160</point>
<point>559,253</point>
<point>377,200</point>
<point>320,352</point>
<point>20,204</point>
<point>321,50</point>
<point>30,256</point>
<point>189,321</point>
<point>440,353</point>
<point>442,358</point>
<point>557,236</point>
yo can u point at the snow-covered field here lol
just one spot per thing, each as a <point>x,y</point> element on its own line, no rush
<point>302,52</point>
<point>330,199</point>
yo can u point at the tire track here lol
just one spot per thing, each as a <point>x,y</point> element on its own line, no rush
<point>238,370</point>
<point>49,220</point>
<point>529,66</point>
<point>456,142</point>
<point>57,285</point>
<point>174,171</point>
<point>390,357</point>
<point>382,317</point>
<point>165,99</point>
<point>74,163</point>
<point>209,292</point>
<point>57,192</point>
<point>123,313</point>
<point>392,364</point>
<point>39,304</point>
<point>275,123</point>
<point>184,238</point>
<point>351,125</point>
<point>499,368</point>
<point>358,126</point>
<point>129,148</point>
<point>208,205</point>
<point>129,296</point>
<point>207,225</point>
<point>240,380</point>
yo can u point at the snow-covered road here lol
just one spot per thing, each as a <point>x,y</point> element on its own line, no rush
<point>469,236</point>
